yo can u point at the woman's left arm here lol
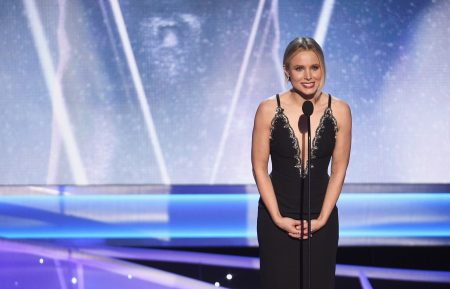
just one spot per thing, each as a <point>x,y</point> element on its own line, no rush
<point>339,163</point>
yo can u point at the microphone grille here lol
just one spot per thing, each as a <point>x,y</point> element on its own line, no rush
<point>308,108</point>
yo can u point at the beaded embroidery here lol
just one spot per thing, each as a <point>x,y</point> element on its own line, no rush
<point>280,115</point>
<point>320,128</point>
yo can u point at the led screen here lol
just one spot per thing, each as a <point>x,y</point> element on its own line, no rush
<point>164,92</point>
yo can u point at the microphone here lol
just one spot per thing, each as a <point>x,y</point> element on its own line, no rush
<point>308,108</point>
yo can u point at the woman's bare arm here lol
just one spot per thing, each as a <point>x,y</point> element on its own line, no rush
<point>260,158</point>
<point>340,159</point>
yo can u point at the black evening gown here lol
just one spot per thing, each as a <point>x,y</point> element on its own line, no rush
<point>284,260</point>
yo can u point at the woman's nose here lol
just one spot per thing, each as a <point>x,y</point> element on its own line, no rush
<point>308,74</point>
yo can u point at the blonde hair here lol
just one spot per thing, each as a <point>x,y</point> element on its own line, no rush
<point>304,44</point>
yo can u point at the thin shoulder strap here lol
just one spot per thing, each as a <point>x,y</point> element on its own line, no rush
<point>329,100</point>
<point>278,100</point>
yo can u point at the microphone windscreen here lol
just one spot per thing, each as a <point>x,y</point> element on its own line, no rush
<point>308,108</point>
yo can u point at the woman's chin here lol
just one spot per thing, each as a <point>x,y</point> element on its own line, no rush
<point>306,93</point>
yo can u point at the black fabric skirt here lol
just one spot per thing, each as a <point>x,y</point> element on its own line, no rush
<point>280,255</point>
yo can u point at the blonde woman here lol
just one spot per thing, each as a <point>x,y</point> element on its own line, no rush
<point>279,132</point>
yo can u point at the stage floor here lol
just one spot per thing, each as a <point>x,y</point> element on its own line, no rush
<point>37,265</point>
<point>150,236</point>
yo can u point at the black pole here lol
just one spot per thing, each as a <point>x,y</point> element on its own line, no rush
<point>309,202</point>
<point>308,109</point>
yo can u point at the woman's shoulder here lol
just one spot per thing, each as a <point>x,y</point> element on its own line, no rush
<point>268,105</point>
<point>267,110</point>
<point>339,105</point>
<point>272,102</point>
<point>341,111</point>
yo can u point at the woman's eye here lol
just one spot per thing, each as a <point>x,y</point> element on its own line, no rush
<point>315,67</point>
<point>299,68</point>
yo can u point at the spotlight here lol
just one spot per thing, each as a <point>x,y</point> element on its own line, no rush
<point>229,276</point>
<point>41,261</point>
<point>129,276</point>
<point>217,284</point>
<point>74,280</point>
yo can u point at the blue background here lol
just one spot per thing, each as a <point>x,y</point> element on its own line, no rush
<point>389,60</point>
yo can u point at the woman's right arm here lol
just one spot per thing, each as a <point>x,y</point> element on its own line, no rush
<point>260,159</point>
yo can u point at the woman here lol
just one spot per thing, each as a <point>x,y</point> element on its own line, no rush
<point>282,212</point>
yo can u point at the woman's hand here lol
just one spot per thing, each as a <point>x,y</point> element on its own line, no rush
<point>299,229</point>
<point>289,225</point>
<point>316,225</point>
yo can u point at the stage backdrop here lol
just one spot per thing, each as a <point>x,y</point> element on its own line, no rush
<point>164,92</point>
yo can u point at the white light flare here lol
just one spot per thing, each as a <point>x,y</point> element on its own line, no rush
<point>60,113</point>
<point>324,21</point>
<point>132,65</point>
<point>237,90</point>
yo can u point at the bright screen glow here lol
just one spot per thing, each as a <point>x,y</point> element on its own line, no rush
<point>164,92</point>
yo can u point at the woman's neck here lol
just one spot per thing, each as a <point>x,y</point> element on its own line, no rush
<point>314,98</point>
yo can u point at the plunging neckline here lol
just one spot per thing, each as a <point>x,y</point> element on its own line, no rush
<point>303,171</point>
<point>313,142</point>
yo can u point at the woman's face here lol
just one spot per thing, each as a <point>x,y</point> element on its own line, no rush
<point>305,72</point>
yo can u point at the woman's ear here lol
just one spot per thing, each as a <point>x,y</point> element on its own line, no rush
<point>286,73</point>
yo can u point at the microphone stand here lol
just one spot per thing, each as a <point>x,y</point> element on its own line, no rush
<point>309,201</point>
<point>308,109</point>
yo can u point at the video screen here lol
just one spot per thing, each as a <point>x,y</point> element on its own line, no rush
<point>165,92</point>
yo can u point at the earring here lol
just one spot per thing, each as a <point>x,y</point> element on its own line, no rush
<point>289,78</point>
